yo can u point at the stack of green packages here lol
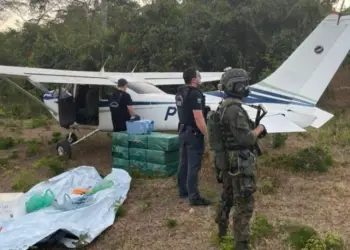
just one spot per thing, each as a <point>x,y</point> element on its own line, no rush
<point>156,154</point>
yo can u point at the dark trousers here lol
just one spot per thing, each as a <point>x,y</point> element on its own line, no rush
<point>192,149</point>
<point>119,123</point>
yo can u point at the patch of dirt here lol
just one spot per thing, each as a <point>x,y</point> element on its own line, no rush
<point>318,200</point>
<point>337,93</point>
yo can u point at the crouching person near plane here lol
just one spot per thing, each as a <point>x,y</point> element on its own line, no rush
<point>235,132</point>
<point>121,106</point>
<point>190,104</point>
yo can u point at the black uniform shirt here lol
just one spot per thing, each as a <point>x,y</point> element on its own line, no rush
<point>188,99</point>
<point>118,105</point>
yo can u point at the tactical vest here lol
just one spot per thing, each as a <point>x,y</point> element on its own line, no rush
<point>181,99</point>
<point>230,142</point>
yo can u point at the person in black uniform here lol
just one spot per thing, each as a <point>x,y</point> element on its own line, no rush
<point>121,106</point>
<point>190,103</point>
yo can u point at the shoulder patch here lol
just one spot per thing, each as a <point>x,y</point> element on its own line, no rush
<point>199,100</point>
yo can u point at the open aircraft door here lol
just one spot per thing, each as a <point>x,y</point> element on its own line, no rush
<point>66,108</point>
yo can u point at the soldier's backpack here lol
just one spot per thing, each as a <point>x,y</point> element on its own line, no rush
<point>215,139</point>
<point>216,142</point>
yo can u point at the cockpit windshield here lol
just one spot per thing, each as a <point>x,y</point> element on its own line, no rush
<point>144,88</point>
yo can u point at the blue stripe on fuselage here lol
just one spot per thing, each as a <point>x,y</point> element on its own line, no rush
<point>265,92</point>
<point>256,98</point>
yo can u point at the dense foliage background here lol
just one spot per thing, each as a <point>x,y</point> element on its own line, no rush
<point>161,35</point>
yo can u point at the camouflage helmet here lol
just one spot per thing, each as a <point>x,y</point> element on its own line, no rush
<point>235,82</point>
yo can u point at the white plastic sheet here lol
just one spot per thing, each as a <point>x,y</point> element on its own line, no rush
<point>86,223</point>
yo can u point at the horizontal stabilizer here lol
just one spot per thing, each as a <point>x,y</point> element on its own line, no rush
<point>322,117</point>
<point>277,123</point>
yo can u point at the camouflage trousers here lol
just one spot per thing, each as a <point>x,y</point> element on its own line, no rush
<point>243,204</point>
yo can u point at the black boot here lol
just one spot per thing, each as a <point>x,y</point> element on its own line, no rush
<point>222,231</point>
<point>242,245</point>
<point>199,201</point>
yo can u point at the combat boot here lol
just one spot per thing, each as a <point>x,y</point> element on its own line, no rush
<point>222,231</point>
<point>242,245</point>
<point>199,201</point>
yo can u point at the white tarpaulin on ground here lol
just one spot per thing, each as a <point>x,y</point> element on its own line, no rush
<point>86,222</point>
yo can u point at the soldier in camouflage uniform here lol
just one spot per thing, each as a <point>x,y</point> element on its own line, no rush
<point>237,176</point>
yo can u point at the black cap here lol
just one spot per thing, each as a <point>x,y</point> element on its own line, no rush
<point>122,82</point>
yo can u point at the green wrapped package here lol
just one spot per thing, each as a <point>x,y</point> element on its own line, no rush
<point>120,139</point>
<point>151,169</point>
<point>162,170</point>
<point>120,152</point>
<point>138,164</point>
<point>138,141</point>
<point>162,157</point>
<point>120,163</point>
<point>123,139</point>
<point>138,154</point>
<point>163,142</point>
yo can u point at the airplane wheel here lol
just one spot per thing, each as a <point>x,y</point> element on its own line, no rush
<point>72,138</point>
<point>64,148</point>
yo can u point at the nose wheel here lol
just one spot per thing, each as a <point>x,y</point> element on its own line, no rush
<point>64,148</point>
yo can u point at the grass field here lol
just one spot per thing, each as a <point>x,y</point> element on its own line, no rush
<point>296,190</point>
<point>303,188</point>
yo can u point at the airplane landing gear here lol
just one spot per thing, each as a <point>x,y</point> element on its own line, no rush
<point>64,148</point>
<point>71,137</point>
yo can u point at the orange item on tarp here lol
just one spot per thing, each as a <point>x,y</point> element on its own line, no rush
<point>80,191</point>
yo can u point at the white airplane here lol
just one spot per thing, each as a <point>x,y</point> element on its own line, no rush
<point>289,95</point>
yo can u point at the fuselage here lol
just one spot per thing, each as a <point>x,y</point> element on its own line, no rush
<point>159,107</point>
<point>152,103</point>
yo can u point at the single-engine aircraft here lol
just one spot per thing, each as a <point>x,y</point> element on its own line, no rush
<point>289,95</point>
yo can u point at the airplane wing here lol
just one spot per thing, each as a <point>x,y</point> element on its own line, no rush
<point>174,78</point>
<point>71,80</point>
<point>41,75</point>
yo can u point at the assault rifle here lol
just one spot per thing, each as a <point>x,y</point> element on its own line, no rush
<point>261,112</point>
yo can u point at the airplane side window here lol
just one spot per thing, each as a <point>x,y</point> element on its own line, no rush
<point>144,88</point>
<point>105,91</point>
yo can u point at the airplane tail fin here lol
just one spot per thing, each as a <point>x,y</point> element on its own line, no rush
<point>305,75</point>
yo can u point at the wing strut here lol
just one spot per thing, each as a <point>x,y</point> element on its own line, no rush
<point>29,95</point>
<point>38,85</point>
